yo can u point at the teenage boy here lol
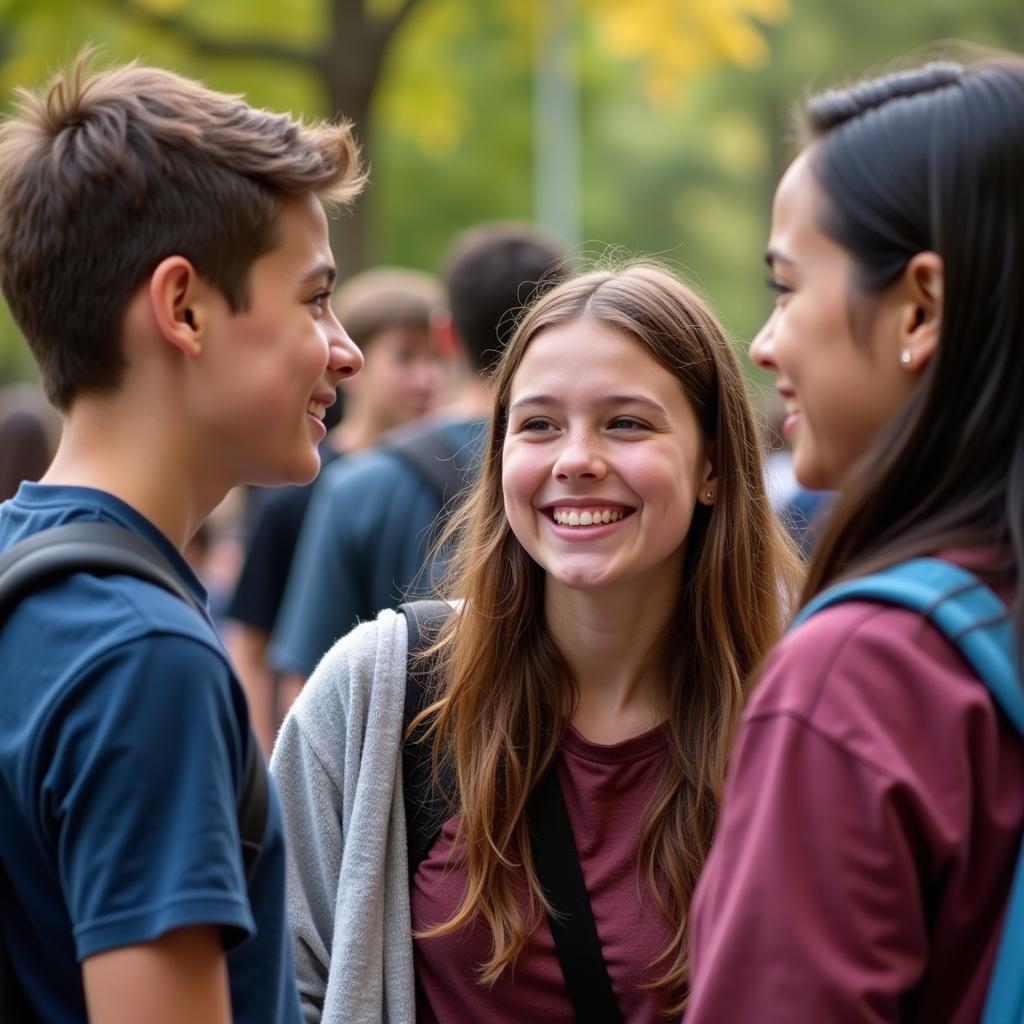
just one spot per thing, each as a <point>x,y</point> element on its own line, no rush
<point>164,250</point>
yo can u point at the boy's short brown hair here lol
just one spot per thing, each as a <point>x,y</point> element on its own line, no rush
<point>104,174</point>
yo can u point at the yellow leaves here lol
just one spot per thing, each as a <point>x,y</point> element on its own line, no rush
<point>680,40</point>
<point>425,98</point>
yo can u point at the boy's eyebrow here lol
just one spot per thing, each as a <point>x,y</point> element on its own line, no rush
<point>318,273</point>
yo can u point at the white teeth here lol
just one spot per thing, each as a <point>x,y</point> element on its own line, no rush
<point>588,517</point>
<point>317,409</point>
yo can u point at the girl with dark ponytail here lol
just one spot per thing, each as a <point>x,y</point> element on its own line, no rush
<point>873,815</point>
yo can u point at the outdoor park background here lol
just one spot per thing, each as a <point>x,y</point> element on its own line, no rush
<point>651,126</point>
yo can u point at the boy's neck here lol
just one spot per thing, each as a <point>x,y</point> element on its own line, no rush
<point>137,461</point>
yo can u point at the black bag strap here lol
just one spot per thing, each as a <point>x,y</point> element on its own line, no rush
<point>425,806</point>
<point>555,856</point>
<point>557,863</point>
<point>105,549</point>
<point>98,548</point>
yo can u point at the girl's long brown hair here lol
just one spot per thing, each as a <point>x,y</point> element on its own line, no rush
<point>505,691</point>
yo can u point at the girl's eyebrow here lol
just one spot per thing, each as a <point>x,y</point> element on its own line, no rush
<point>533,400</point>
<point>549,400</point>
<point>773,256</point>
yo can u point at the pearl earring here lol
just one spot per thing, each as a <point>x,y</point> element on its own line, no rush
<point>906,357</point>
<point>709,496</point>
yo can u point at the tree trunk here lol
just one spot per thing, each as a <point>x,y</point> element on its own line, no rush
<point>350,69</point>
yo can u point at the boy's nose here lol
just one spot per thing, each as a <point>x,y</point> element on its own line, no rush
<point>344,358</point>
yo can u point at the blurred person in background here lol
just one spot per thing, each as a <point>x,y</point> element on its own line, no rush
<point>28,436</point>
<point>389,312</point>
<point>373,520</point>
<point>874,807</point>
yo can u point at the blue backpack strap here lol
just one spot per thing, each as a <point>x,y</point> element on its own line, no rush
<point>959,605</point>
<point>972,618</point>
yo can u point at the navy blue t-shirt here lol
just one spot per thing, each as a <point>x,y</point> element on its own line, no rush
<point>123,736</point>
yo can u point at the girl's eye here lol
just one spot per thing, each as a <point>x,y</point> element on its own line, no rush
<point>778,287</point>
<point>626,423</point>
<point>319,302</point>
<point>535,426</point>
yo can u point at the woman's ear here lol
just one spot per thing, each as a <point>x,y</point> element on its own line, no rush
<point>920,323</point>
<point>176,297</point>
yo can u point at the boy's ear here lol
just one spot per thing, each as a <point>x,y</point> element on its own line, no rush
<point>921,318</point>
<point>176,293</point>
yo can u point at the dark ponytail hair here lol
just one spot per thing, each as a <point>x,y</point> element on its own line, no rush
<point>933,160</point>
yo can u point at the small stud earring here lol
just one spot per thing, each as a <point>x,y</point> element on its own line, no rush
<point>709,496</point>
<point>906,357</point>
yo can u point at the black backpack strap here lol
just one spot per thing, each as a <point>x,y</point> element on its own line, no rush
<point>105,549</point>
<point>557,864</point>
<point>425,806</point>
<point>252,807</point>
<point>102,549</point>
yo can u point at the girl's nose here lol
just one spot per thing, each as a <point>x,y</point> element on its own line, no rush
<point>579,459</point>
<point>762,348</point>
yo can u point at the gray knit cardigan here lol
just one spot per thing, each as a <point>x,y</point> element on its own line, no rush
<point>337,764</point>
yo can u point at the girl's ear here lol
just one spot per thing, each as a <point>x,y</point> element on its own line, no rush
<point>176,294</point>
<point>920,322</point>
<point>707,490</point>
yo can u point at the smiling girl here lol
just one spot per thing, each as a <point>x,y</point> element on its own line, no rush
<point>620,574</point>
<point>875,804</point>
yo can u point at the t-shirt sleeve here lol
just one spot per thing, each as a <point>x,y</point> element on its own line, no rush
<point>809,907</point>
<point>143,789</point>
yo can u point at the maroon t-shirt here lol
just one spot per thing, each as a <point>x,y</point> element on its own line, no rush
<point>869,833</point>
<point>607,791</point>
